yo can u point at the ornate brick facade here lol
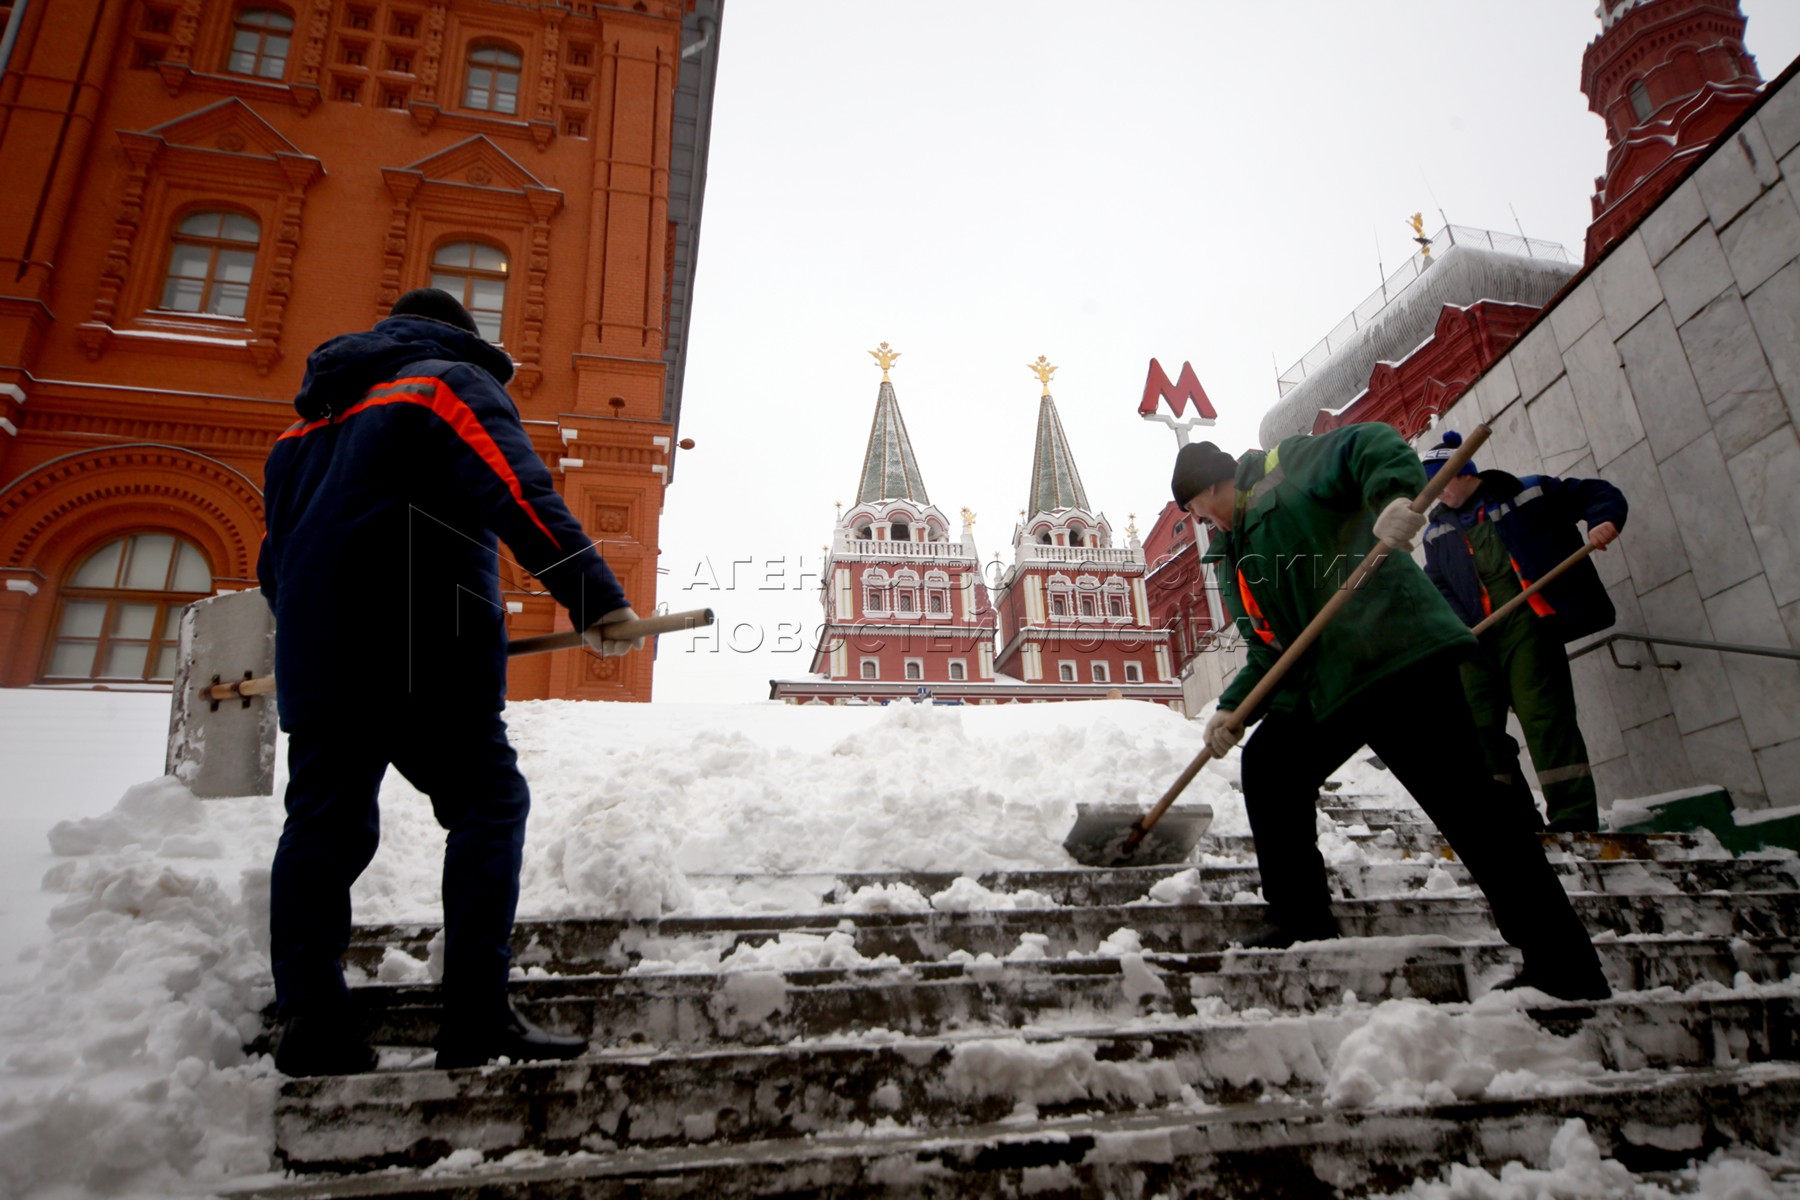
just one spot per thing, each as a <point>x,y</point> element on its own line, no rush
<point>1667,77</point>
<point>201,191</point>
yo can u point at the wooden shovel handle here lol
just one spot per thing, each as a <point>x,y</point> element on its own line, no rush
<point>1494,617</point>
<point>569,639</point>
<point>624,631</point>
<point>1272,677</point>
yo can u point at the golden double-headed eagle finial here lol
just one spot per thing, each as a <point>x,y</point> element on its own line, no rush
<point>885,357</point>
<point>1417,222</point>
<point>1043,370</point>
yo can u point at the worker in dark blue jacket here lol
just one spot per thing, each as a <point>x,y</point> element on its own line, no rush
<point>1488,538</point>
<point>385,505</point>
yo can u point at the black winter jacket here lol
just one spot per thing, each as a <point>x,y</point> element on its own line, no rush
<point>385,506</point>
<point>1535,517</point>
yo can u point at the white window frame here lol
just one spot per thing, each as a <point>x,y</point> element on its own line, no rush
<point>1100,672</point>
<point>913,670</point>
<point>1134,673</point>
<point>870,669</point>
<point>959,670</point>
<point>1065,671</point>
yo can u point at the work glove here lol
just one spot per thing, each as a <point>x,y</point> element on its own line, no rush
<point>1222,733</point>
<point>1399,525</point>
<point>606,647</point>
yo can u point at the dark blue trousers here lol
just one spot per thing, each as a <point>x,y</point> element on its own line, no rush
<point>469,770</point>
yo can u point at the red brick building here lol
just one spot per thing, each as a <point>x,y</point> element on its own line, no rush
<point>1667,77</point>
<point>907,611</point>
<point>200,191</point>
<point>1074,616</point>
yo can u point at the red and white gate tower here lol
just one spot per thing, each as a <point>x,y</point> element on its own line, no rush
<point>906,614</point>
<point>1667,77</point>
<point>1075,621</point>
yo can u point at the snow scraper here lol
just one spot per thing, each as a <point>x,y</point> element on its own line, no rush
<point>1109,836</point>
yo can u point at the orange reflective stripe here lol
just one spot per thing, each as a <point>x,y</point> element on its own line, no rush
<point>1539,605</point>
<point>1257,621</point>
<point>430,392</point>
<point>1487,602</point>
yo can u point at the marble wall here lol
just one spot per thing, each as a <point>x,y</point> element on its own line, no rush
<point>1672,369</point>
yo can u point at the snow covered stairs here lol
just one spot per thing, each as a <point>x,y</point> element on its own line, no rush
<point>974,1057</point>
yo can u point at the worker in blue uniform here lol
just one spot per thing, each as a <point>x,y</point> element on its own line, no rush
<point>385,505</point>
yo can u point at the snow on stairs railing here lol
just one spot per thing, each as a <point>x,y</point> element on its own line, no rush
<point>1109,1044</point>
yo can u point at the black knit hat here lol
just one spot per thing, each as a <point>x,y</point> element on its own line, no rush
<point>435,304</point>
<point>1198,466</point>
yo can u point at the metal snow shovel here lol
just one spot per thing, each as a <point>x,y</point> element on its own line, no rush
<point>1109,835</point>
<point>1493,618</point>
<point>568,639</point>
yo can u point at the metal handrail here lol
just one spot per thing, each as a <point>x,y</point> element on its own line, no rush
<point>1690,643</point>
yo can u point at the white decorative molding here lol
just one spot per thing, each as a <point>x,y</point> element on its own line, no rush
<point>22,585</point>
<point>9,427</point>
<point>568,464</point>
<point>14,390</point>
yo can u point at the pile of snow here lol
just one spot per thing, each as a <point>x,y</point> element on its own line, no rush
<point>1578,1170</point>
<point>122,1032</point>
<point>1410,1052</point>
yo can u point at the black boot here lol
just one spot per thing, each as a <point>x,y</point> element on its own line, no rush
<point>503,1033</point>
<point>1566,985</point>
<point>1280,937</point>
<point>330,1044</point>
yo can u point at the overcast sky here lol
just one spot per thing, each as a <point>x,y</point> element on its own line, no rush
<point>981,183</point>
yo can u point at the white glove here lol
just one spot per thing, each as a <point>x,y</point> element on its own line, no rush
<point>595,635</point>
<point>1399,525</point>
<point>1222,733</point>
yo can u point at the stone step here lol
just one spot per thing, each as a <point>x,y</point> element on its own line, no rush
<point>1425,840</point>
<point>614,1100</point>
<point>926,1000</point>
<point>613,946</point>
<point>1222,881</point>
<point>1377,818</point>
<point>1650,1122</point>
<point>1253,1151</point>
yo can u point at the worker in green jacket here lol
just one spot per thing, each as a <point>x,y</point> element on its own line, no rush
<point>1291,526</point>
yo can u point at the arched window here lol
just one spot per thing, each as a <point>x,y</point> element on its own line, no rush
<point>875,596</point>
<point>898,532</point>
<point>937,593</point>
<point>906,592</point>
<point>1640,100</point>
<point>259,43</point>
<point>120,616</point>
<point>493,80</point>
<point>211,259</point>
<point>474,273</point>
<point>871,669</point>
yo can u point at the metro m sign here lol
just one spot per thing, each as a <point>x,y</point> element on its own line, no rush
<point>1179,394</point>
